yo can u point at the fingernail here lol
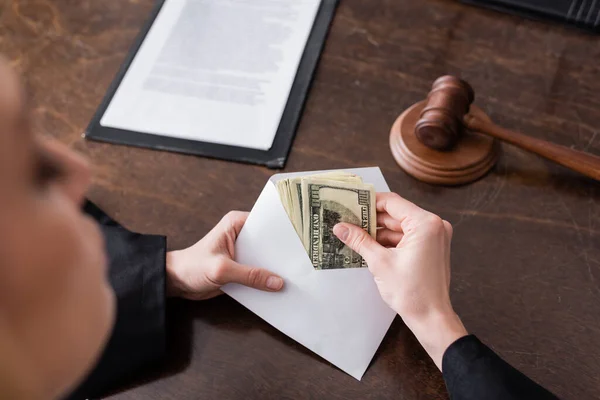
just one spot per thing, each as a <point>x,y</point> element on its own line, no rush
<point>274,283</point>
<point>341,232</point>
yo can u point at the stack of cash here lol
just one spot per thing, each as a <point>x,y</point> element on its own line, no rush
<point>316,203</point>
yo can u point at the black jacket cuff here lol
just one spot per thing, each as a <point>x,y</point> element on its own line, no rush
<point>472,371</point>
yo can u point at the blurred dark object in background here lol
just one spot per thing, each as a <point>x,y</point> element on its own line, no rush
<point>584,14</point>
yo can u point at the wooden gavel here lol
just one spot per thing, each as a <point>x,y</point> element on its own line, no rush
<point>446,115</point>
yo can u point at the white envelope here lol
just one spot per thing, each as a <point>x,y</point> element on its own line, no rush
<point>338,314</point>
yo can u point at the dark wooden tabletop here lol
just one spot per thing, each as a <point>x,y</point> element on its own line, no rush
<point>526,250</point>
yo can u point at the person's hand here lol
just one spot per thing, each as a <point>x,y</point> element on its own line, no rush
<point>411,264</point>
<point>198,272</point>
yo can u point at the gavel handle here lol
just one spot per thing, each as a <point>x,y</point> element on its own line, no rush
<point>584,163</point>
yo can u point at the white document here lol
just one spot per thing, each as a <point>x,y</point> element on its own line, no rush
<point>337,313</point>
<point>217,71</point>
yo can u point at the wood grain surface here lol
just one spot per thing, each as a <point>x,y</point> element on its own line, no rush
<point>526,249</point>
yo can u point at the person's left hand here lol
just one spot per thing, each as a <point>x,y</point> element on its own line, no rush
<point>198,272</point>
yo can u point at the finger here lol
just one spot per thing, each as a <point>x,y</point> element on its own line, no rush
<point>359,240</point>
<point>257,278</point>
<point>396,206</point>
<point>385,220</point>
<point>388,238</point>
<point>233,221</point>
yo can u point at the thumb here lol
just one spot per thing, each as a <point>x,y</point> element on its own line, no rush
<point>359,240</point>
<point>257,278</point>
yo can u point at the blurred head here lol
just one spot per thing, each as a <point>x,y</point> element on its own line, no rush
<point>56,307</point>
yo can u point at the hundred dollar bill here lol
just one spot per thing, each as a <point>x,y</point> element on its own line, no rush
<point>351,192</point>
<point>291,202</point>
<point>290,192</point>
<point>327,202</point>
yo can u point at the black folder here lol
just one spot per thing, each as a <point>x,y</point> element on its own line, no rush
<point>584,14</point>
<point>276,156</point>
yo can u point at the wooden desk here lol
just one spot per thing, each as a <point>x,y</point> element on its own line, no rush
<point>526,251</point>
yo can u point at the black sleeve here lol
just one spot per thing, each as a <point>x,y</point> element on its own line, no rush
<point>472,371</point>
<point>137,275</point>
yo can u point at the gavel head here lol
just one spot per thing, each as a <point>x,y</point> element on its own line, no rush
<point>441,121</point>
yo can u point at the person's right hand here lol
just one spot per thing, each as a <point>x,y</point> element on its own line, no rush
<point>411,264</point>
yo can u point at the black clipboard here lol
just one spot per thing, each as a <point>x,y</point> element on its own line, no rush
<point>276,156</point>
<point>582,14</point>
